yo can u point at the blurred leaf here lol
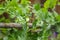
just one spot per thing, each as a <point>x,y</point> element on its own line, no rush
<point>37,6</point>
<point>58,17</point>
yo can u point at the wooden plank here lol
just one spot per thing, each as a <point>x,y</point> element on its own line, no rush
<point>57,9</point>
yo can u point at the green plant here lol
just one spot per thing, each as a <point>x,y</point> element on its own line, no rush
<point>43,18</point>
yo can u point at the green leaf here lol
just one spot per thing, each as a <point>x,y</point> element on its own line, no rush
<point>58,17</point>
<point>37,6</point>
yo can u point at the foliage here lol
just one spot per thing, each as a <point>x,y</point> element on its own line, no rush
<point>22,11</point>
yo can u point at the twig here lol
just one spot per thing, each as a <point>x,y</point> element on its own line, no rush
<point>13,25</point>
